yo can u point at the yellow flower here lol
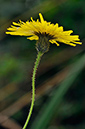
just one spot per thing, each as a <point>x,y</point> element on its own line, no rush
<point>42,28</point>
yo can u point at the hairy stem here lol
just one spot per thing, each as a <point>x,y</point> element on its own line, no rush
<point>33,88</point>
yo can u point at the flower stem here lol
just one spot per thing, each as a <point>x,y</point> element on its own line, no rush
<point>33,88</point>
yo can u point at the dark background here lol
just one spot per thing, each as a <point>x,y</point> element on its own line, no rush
<point>61,73</point>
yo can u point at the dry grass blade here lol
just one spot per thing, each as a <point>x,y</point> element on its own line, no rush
<point>8,123</point>
<point>45,87</point>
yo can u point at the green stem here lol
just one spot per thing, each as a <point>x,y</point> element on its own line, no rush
<point>33,88</point>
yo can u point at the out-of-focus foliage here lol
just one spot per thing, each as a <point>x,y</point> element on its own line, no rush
<point>17,56</point>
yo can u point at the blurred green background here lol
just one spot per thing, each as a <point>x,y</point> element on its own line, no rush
<point>60,79</point>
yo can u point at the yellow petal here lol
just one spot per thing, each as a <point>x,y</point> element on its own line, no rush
<point>75,37</point>
<point>32,19</point>
<point>16,24</point>
<point>41,17</point>
<point>54,41</point>
<point>78,43</point>
<point>34,37</point>
<point>71,44</point>
<point>60,28</point>
<point>68,32</point>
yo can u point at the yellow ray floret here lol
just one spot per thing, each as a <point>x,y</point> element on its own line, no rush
<point>34,29</point>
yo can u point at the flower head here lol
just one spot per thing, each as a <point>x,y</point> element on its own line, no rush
<point>38,30</point>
